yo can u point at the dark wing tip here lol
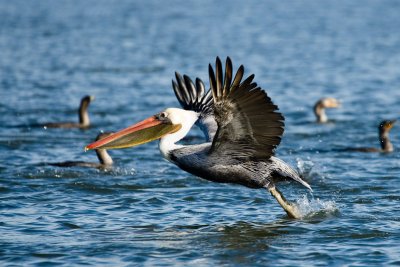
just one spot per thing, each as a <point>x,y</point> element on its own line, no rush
<point>192,96</point>
<point>179,90</point>
<point>191,89</point>
<point>217,60</point>
<point>213,84</point>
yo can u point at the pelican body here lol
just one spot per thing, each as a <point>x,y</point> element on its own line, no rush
<point>196,160</point>
<point>105,160</point>
<point>242,128</point>
<point>84,121</point>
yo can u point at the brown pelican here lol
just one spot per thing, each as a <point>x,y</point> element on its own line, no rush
<point>240,148</point>
<point>84,121</point>
<point>321,105</point>
<point>105,159</point>
<point>383,131</point>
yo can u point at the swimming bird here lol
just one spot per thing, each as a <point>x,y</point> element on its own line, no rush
<point>321,105</point>
<point>383,131</point>
<point>105,160</point>
<point>249,128</point>
<point>84,121</point>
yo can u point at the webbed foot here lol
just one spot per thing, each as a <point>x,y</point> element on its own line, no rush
<point>290,208</point>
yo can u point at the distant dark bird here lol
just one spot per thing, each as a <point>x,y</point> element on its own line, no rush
<point>383,130</point>
<point>104,158</point>
<point>321,105</point>
<point>241,147</point>
<point>84,121</point>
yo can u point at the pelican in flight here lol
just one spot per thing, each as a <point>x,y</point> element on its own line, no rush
<point>242,128</point>
<point>84,121</point>
<point>321,105</point>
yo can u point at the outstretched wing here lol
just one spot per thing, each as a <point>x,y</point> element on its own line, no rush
<point>249,125</point>
<point>194,97</point>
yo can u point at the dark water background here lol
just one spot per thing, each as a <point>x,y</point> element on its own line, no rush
<point>147,211</point>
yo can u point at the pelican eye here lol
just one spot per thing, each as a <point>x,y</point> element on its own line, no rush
<point>162,116</point>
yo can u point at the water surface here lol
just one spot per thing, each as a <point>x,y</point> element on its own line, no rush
<point>147,211</point>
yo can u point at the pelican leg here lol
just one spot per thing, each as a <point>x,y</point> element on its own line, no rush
<point>290,208</point>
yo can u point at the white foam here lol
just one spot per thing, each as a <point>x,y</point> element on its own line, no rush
<point>315,207</point>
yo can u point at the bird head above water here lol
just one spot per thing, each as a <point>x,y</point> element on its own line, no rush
<point>87,99</point>
<point>384,129</point>
<point>386,125</point>
<point>83,112</point>
<point>321,105</point>
<point>84,121</point>
<point>102,154</point>
<point>105,160</point>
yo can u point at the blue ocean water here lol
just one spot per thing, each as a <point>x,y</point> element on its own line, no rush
<point>148,212</point>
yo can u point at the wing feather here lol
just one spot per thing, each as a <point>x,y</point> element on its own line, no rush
<point>193,96</point>
<point>249,124</point>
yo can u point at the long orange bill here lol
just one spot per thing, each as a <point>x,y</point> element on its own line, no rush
<point>143,132</point>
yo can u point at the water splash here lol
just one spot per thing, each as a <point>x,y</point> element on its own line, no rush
<point>304,166</point>
<point>316,208</point>
<point>311,172</point>
<point>120,171</point>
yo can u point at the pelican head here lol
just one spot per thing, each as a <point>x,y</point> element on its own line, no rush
<point>170,126</point>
